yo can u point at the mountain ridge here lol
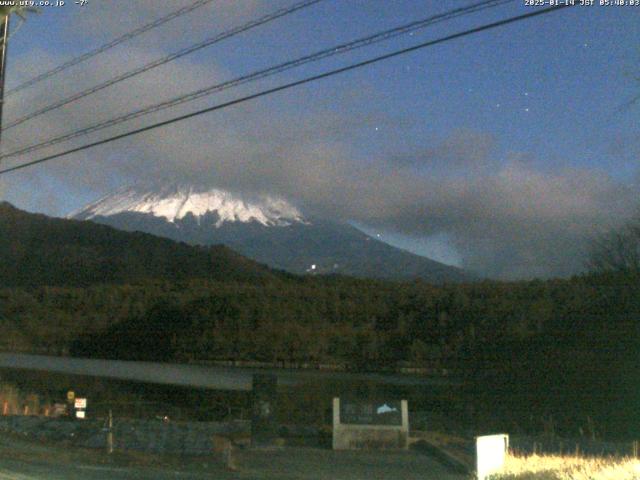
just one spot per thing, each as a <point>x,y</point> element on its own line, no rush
<point>38,250</point>
<point>267,229</point>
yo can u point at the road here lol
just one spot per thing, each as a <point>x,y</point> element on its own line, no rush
<point>24,460</point>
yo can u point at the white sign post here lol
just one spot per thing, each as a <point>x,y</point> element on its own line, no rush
<point>80,405</point>
<point>491,452</point>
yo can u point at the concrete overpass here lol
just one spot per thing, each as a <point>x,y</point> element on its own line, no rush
<point>213,377</point>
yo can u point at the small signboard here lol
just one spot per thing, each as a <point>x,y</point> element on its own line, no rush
<point>371,413</point>
<point>491,452</point>
<point>80,403</point>
<point>367,425</point>
<point>80,414</point>
<point>71,395</point>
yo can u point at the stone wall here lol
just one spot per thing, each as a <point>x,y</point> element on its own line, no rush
<point>184,438</point>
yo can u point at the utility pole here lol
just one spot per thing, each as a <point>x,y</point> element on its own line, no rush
<point>4,35</point>
<point>110,433</point>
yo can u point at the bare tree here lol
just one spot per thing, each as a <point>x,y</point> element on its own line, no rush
<point>617,250</point>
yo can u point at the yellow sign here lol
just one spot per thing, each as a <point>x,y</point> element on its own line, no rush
<point>71,395</point>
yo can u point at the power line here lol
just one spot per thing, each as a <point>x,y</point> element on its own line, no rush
<point>260,74</point>
<point>161,61</point>
<point>290,85</point>
<point>109,45</point>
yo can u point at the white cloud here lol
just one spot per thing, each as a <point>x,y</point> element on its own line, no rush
<point>504,217</point>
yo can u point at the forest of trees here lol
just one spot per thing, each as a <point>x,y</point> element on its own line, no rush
<point>307,319</point>
<point>567,347</point>
<point>559,346</point>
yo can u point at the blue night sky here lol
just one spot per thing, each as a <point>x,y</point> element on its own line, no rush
<point>502,152</point>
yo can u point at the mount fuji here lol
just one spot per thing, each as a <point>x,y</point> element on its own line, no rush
<point>267,229</point>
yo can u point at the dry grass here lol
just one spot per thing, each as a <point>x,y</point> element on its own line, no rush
<point>555,467</point>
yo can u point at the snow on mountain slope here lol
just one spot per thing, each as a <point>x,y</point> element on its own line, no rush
<point>264,228</point>
<point>175,202</point>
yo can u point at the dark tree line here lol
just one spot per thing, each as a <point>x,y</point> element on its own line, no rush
<point>566,348</point>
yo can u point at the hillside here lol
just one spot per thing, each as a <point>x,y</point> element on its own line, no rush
<point>38,250</point>
<point>80,288</point>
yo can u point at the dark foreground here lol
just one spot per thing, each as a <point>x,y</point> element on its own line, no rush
<point>24,460</point>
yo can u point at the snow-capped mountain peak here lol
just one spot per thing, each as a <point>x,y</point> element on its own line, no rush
<point>175,202</point>
<point>265,228</point>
